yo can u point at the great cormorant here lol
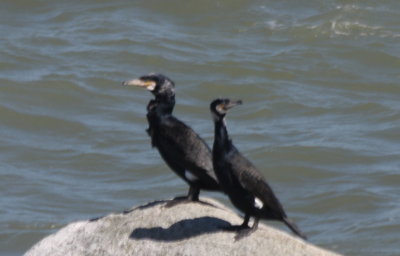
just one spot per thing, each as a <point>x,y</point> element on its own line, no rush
<point>181,148</point>
<point>245,185</point>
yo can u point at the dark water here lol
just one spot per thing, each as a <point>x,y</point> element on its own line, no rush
<point>321,119</point>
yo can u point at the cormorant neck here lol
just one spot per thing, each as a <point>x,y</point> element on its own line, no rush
<point>165,96</point>
<point>221,136</point>
<point>166,103</point>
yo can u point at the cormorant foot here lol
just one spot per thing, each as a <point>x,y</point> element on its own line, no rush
<point>241,230</point>
<point>183,200</point>
<point>180,198</point>
<point>176,201</point>
<point>204,203</point>
<point>243,233</point>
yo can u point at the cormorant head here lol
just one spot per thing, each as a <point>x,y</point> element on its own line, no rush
<point>219,107</point>
<point>158,84</point>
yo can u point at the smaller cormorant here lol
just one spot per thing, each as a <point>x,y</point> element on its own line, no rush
<point>245,185</point>
<point>181,148</point>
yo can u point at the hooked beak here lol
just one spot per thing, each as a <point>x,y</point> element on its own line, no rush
<point>228,104</point>
<point>232,103</point>
<point>149,85</point>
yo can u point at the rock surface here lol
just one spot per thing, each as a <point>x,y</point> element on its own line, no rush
<point>184,229</point>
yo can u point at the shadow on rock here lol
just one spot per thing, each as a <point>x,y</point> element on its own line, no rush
<point>148,205</point>
<point>183,229</point>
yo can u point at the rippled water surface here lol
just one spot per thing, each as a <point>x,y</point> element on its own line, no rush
<point>321,119</point>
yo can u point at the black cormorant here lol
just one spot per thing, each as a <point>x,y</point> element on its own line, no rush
<point>180,147</point>
<point>245,185</point>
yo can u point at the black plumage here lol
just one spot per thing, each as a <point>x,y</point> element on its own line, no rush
<point>245,185</point>
<point>181,148</point>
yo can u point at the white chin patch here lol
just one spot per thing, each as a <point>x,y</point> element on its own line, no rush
<point>151,87</point>
<point>220,109</point>
<point>258,203</point>
<point>190,176</point>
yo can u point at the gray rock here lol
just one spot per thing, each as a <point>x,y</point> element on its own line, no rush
<point>184,229</point>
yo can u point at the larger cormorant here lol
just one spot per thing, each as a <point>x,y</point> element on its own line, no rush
<point>245,185</point>
<point>181,148</point>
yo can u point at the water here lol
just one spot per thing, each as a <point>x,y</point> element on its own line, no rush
<point>321,119</point>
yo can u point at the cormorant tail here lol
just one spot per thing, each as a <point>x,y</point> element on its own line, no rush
<point>294,228</point>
